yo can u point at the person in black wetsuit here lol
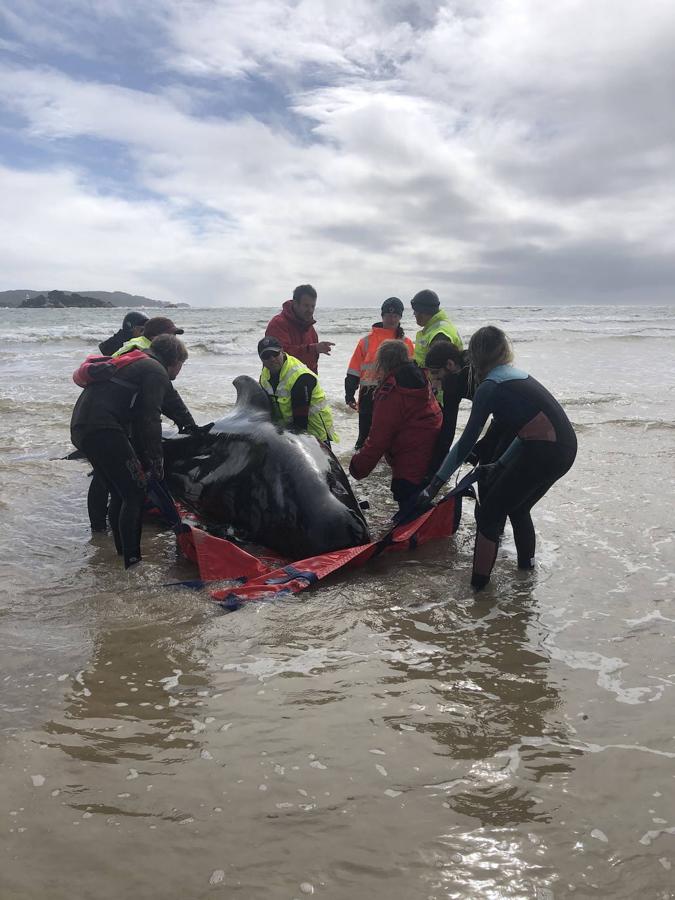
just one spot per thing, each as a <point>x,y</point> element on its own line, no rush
<point>98,494</point>
<point>542,451</point>
<point>450,375</point>
<point>100,427</point>
<point>132,327</point>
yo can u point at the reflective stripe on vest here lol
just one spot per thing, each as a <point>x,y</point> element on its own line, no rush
<point>320,419</point>
<point>290,372</point>
<point>438,324</point>
<point>368,372</point>
<point>139,343</point>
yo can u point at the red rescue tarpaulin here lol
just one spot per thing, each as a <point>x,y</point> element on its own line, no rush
<point>262,579</point>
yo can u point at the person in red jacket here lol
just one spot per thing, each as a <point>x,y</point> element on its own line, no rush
<point>294,328</point>
<point>406,422</point>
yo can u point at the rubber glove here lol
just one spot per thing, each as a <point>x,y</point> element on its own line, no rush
<point>196,429</point>
<point>419,503</point>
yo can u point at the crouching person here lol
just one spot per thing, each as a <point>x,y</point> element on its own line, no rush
<point>101,424</point>
<point>297,398</point>
<point>406,423</point>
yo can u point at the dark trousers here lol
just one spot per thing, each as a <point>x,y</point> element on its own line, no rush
<point>117,466</point>
<point>366,395</point>
<point>512,494</point>
<point>403,490</point>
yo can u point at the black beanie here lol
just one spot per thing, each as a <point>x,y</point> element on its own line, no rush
<point>426,301</point>
<point>392,305</point>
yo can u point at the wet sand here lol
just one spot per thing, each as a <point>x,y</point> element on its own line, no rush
<point>388,735</point>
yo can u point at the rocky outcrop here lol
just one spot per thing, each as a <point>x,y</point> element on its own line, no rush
<point>16,298</point>
<point>61,300</point>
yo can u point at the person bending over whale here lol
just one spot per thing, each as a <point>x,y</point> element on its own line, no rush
<point>173,408</point>
<point>543,450</point>
<point>132,327</point>
<point>406,423</point>
<point>296,396</point>
<point>100,426</point>
<point>449,372</point>
<point>451,378</point>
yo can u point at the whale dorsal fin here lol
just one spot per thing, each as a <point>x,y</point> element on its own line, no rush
<point>251,396</point>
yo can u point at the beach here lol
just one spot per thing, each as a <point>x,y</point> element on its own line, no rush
<point>387,735</point>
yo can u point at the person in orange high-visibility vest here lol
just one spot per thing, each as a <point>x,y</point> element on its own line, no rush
<point>362,372</point>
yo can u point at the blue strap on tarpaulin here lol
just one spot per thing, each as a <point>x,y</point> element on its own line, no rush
<point>160,495</point>
<point>292,573</point>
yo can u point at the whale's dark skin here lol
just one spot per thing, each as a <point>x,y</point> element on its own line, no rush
<point>278,488</point>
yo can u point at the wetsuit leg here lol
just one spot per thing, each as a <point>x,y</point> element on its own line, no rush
<point>115,461</point>
<point>365,415</point>
<point>553,465</point>
<point>513,493</point>
<point>97,503</point>
<point>525,537</point>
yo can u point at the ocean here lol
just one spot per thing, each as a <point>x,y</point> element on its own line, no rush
<point>387,735</point>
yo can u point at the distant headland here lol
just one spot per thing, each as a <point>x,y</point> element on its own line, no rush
<point>29,299</point>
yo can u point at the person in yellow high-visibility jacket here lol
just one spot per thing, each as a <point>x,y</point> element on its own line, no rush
<point>434,324</point>
<point>362,372</point>
<point>296,396</point>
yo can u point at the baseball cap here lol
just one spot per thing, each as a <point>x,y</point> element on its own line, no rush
<point>392,305</point>
<point>268,344</point>
<point>160,325</point>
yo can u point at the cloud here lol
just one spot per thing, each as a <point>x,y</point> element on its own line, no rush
<point>243,36</point>
<point>488,149</point>
<point>57,231</point>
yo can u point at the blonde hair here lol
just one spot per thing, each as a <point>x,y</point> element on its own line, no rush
<point>391,355</point>
<point>489,347</point>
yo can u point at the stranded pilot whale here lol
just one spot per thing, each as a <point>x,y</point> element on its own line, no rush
<point>274,487</point>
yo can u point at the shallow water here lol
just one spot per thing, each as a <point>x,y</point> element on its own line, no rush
<point>386,735</point>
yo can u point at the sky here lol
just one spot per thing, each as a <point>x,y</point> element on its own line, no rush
<point>221,152</point>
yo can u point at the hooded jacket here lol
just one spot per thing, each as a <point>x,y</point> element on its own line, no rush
<point>131,320</point>
<point>295,336</point>
<point>406,423</point>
